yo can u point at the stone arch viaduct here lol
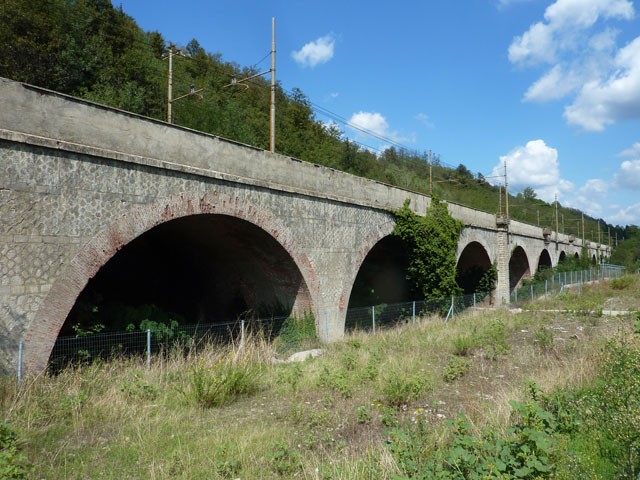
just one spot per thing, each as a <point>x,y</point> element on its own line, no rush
<point>82,184</point>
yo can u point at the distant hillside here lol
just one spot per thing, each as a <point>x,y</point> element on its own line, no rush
<point>90,49</point>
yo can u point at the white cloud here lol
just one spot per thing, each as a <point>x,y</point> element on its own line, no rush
<point>629,175</point>
<point>424,119</point>
<point>626,216</point>
<point>566,27</point>
<point>534,46</point>
<point>508,3</point>
<point>590,197</point>
<point>584,13</point>
<point>634,151</point>
<point>535,165</point>
<point>601,103</point>
<point>553,85</point>
<point>595,187</point>
<point>367,124</point>
<point>316,52</point>
<point>370,121</point>
<point>566,23</point>
<point>583,61</point>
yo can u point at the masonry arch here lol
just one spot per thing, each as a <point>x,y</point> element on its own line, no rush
<point>563,257</point>
<point>382,275</point>
<point>544,260</point>
<point>270,270</point>
<point>576,256</point>
<point>472,264</point>
<point>519,268</point>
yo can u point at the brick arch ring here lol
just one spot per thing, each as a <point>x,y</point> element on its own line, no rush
<point>48,320</point>
<point>467,238</point>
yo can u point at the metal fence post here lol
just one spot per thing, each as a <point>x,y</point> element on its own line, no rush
<point>451,310</point>
<point>531,292</point>
<point>546,287</point>
<point>20,348</point>
<point>474,300</point>
<point>373,318</point>
<point>148,348</point>
<point>326,326</point>
<point>413,312</point>
<point>242,327</point>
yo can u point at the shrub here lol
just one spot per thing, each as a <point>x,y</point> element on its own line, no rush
<point>285,460</point>
<point>616,403</point>
<point>137,387</point>
<point>291,374</point>
<point>463,345</point>
<point>456,367</point>
<point>543,338</point>
<point>339,380</point>
<point>431,243</point>
<point>623,282</point>
<point>297,332</point>
<point>213,386</point>
<point>494,339</point>
<point>362,414</point>
<point>400,388</point>
<point>226,460</point>
<point>13,465</point>
<point>370,371</point>
<point>523,452</point>
<point>603,419</point>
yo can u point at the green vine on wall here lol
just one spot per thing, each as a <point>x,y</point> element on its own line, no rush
<point>431,243</point>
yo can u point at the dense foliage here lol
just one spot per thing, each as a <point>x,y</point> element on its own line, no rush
<point>431,242</point>
<point>13,464</point>
<point>590,432</point>
<point>90,49</point>
<point>628,251</point>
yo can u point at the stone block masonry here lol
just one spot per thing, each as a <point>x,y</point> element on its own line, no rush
<point>79,181</point>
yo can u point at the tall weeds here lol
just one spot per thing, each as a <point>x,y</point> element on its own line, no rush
<point>230,411</point>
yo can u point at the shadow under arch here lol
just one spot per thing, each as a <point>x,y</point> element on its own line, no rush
<point>544,260</point>
<point>382,275</point>
<point>519,268</point>
<point>186,217</point>
<point>472,264</point>
<point>380,279</point>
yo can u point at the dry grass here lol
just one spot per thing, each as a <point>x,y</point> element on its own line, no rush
<point>324,418</point>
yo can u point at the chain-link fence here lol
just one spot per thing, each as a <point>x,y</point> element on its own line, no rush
<point>561,281</point>
<point>84,348</point>
<point>382,316</point>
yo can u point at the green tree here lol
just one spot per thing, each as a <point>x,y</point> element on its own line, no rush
<point>529,194</point>
<point>93,50</point>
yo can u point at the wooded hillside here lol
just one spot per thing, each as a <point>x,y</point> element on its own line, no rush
<point>93,50</point>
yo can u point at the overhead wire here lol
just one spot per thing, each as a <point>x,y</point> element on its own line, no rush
<point>332,115</point>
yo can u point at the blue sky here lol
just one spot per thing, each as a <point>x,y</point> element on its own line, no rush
<point>550,87</point>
